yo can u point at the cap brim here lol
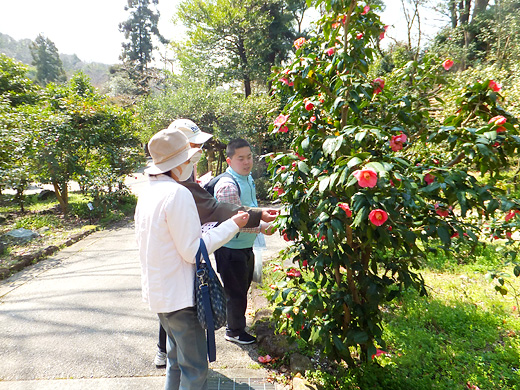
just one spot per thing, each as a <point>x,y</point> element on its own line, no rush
<point>156,169</point>
<point>200,137</point>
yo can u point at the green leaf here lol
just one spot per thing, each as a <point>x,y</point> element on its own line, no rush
<point>324,183</point>
<point>354,161</point>
<point>332,144</point>
<point>444,234</point>
<point>303,167</point>
<point>516,271</point>
<point>378,167</point>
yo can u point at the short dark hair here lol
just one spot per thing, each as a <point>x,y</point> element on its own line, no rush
<point>236,144</point>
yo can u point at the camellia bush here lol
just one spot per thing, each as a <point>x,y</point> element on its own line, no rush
<point>378,175</point>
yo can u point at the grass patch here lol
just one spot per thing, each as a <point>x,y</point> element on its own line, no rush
<point>463,334</point>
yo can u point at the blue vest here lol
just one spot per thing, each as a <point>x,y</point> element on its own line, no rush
<point>248,198</point>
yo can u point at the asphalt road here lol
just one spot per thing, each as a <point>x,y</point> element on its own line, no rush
<point>76,321</point>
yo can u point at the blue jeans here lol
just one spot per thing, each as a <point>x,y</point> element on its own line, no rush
<point>187,365</point>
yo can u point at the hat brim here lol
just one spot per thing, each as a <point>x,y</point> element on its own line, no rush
<point>156,169</point>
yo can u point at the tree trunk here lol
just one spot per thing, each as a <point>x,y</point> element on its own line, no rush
<point>62,194</point>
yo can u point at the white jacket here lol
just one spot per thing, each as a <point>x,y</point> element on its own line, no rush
<point>168,233</point>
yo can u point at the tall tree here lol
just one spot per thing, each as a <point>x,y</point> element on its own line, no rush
<point>236,40</point>
<point>46,58</point>
<point>139,30</point>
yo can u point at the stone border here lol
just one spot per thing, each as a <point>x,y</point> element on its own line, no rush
<point>25,260</point>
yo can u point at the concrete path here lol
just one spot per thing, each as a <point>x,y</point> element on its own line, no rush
<point>76,321</point>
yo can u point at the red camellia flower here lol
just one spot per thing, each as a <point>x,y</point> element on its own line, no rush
<point>493,85</point>
<point>283,129</point>
<point>378,217</point>
<point>330,51</point>
<point>429,178</point>
<point>279,190</point>
<point>379,84</point>
<point>511,214</point>
<point>299,42</point>
<point>305,263</point>
<point>366,177</point>
<point>345,207</point>
<point>378,353</point>
<point>396,142</point>
<point>447,64</point>
<point>441,211</point>
<point>300,157</point>
<point>294,273</point>
<point>359,35</point>
<point>498,120</point>
<point>365,10</point>
<point>382,35</point>
<point>309,106</point>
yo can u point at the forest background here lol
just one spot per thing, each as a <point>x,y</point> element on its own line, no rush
<point>57,128</point>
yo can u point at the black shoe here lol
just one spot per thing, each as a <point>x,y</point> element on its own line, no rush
<point>244,338</point>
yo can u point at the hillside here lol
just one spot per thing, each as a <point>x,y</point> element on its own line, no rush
<point>19,50</point>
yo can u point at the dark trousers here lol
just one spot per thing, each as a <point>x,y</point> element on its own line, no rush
<point>235,267</point>
<point>162,339</point>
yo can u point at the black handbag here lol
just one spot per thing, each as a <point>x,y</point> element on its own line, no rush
<point>210,299</point>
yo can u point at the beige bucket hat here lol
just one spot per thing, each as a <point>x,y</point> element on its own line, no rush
<point>169,148</point>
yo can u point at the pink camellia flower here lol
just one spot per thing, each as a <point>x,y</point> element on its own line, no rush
<point>429,178</point>
<point>286,82</point>
<point>382,35</point>
<point>281,119</point>
<point>312,118</point>
<point>277,267</point>
<point>366,177</point>
<point>299,42</point>
<point>294,273</point>
<point>397,141</point>
<point>378,353</point>
<point>498,120</point>
<point>330,51</point>
<point>493,85</point>
<point>441,211</point>
<point>346,208</point>
<point>264,359</point>
<point>379,84</point>
<point>365,10</point>
<point>359,35</point>
<point>447,64</point>
<point>378,217</point>
<point>309,106</point>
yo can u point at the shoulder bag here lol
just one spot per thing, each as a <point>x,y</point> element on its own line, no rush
<point>210,299</point>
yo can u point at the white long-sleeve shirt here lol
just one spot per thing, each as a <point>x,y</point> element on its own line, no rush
<point>168,234</point>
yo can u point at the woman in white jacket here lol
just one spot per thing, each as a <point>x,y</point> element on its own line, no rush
<point>168,232</point>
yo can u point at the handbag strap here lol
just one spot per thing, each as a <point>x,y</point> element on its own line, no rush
<point>210,331</point>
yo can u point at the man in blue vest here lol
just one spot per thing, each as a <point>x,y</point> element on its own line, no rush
<point>235,260</point>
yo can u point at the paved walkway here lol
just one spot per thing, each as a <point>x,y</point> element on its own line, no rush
<point>76,321</point>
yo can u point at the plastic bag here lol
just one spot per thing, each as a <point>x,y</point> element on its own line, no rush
<point>258,248</point>
<point>257,271</point>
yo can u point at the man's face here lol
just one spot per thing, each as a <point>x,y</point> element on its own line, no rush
<point>242,161</point>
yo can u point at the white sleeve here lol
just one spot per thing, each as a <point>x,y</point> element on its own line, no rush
<point>185,230</point>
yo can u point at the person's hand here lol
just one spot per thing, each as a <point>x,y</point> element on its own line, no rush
<point>240,218</point>
<point>269,215</point>
<point>267,228</point>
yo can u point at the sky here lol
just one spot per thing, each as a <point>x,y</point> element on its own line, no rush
<point>90,29</point>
